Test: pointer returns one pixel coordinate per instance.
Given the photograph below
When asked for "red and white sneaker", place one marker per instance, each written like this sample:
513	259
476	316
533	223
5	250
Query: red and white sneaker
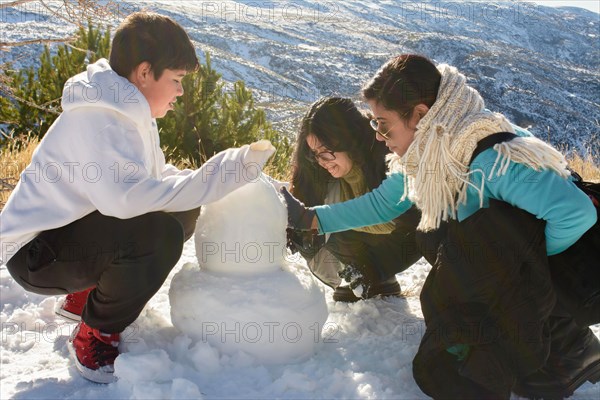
94	353
71	306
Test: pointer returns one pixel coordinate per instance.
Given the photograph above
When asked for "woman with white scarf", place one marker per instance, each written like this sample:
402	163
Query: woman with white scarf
491	220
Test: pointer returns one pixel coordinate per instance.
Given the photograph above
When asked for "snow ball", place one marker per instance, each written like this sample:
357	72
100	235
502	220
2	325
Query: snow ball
177	389
184	389
275	317
244	231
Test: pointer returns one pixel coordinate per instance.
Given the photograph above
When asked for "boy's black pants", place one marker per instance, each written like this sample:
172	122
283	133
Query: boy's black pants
126	259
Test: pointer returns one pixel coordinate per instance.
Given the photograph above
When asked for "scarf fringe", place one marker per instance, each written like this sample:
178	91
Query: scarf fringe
529	151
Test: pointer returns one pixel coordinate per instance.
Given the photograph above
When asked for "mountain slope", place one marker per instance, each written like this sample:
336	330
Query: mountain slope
538	65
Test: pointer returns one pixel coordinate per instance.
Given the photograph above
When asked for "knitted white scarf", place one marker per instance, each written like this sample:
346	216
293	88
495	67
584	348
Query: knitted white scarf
435	165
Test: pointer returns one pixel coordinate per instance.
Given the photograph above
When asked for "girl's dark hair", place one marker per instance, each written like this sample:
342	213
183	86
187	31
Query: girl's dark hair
340	127
404	82
154	38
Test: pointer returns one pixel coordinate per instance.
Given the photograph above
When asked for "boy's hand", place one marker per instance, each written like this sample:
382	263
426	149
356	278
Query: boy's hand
300	217
259	153
262	145
256	156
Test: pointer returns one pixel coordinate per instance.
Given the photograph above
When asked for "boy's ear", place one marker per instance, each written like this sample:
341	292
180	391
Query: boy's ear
141	74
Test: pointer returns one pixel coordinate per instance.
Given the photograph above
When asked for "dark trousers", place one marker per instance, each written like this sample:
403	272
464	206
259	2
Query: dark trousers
489	288
382	256
126	259
378	256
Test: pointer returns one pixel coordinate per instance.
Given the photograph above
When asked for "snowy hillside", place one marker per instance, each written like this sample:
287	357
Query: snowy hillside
539	65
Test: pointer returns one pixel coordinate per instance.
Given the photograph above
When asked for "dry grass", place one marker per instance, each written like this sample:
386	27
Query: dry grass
15	156
585	167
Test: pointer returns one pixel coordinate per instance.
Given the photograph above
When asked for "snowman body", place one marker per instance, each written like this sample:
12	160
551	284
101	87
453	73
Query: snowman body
246	294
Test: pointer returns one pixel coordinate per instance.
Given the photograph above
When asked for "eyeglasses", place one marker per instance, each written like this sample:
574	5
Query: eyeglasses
324	156
375	125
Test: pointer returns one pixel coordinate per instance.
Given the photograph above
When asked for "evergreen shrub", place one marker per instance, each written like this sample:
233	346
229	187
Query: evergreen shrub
210	116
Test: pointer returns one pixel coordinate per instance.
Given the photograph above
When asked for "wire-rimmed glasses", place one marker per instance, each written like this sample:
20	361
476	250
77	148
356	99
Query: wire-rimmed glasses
375	125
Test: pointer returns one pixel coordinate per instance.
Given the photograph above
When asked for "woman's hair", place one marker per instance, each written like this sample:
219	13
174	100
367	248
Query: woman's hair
404	82
340	127
157	39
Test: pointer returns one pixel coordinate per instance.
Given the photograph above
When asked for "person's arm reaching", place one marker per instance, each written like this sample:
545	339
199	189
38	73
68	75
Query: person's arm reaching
125	188
380	205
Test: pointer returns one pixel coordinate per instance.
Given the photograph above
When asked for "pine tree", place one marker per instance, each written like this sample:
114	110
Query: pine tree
35	94
209	118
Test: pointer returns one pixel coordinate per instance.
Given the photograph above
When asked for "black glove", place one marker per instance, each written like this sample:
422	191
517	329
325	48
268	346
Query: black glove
307	243
300	217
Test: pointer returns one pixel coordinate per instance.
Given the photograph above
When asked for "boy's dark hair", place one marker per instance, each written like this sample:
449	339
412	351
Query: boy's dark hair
154	38
404	82
340	126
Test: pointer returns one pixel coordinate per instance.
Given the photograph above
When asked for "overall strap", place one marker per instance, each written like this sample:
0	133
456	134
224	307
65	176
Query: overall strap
490	141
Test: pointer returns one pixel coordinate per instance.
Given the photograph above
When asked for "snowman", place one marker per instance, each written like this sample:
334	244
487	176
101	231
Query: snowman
247	293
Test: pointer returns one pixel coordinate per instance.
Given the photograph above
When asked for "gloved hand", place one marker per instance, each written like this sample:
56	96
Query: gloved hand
258	154
300	217
307	243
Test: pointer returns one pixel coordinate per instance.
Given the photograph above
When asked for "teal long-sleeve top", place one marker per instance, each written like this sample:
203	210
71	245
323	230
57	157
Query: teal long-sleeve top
568	212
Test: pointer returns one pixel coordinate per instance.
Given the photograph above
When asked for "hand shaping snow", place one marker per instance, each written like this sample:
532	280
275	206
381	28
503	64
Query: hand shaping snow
300	217
256	156
259	153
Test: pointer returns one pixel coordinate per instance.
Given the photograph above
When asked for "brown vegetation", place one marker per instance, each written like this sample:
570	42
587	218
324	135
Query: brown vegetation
15	156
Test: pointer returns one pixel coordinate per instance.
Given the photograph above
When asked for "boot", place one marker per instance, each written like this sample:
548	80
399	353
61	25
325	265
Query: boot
574	359
389	287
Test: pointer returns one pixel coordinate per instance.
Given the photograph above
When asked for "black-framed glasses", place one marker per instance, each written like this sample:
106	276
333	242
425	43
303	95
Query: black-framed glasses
375	125
324	156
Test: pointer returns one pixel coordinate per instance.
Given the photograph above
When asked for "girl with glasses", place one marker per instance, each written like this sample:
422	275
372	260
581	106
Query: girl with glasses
509	234
336	159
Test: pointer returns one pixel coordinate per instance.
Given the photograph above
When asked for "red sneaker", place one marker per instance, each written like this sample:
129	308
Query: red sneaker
71	306
94	353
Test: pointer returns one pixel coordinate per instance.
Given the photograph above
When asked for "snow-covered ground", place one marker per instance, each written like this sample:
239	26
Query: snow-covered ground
365	352
365	349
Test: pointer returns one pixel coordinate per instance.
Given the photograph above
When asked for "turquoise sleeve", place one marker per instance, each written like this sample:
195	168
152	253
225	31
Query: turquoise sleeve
568	212
380	205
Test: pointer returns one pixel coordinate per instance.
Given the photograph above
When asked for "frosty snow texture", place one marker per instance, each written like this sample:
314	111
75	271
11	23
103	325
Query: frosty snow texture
246	296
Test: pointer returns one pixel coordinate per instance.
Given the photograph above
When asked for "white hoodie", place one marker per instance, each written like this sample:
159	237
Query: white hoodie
103	153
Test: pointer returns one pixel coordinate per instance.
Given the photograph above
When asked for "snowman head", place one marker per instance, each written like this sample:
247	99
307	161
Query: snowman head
244	232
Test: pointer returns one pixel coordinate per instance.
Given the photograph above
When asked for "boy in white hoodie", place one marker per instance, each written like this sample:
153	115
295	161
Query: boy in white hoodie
98	210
